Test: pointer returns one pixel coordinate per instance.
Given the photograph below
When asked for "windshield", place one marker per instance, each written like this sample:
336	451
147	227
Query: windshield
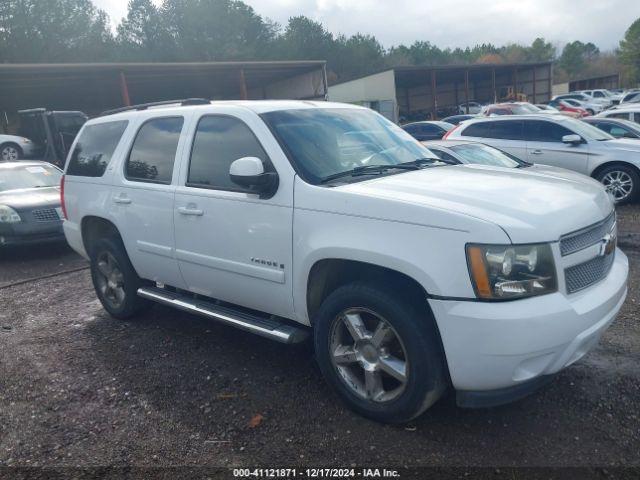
586	131
322	142
528	108
29	176
484	155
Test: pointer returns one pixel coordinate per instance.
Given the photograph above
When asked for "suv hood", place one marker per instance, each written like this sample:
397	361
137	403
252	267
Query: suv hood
529	204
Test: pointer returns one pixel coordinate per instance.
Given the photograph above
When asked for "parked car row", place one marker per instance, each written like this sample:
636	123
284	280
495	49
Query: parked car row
563	142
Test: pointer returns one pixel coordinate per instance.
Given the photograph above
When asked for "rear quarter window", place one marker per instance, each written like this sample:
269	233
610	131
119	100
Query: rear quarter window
94	149
480	129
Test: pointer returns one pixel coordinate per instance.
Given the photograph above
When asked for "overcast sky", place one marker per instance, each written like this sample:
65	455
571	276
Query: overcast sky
454	23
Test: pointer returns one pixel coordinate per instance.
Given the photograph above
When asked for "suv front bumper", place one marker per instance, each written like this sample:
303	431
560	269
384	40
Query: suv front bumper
506	347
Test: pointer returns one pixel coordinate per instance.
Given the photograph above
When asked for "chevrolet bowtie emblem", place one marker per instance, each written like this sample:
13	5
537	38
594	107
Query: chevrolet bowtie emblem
607	244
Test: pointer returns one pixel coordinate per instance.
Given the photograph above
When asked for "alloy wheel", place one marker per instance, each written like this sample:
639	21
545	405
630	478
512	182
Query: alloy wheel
10	154
110	280
618	183
368	355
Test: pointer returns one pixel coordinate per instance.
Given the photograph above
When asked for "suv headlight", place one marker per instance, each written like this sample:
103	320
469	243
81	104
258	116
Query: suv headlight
502	272
8	215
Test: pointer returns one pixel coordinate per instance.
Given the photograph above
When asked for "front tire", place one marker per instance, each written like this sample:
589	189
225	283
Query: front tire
623	182
115	281
10	152
381	353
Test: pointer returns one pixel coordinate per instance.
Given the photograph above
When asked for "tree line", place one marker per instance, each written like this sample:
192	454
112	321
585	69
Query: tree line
52	31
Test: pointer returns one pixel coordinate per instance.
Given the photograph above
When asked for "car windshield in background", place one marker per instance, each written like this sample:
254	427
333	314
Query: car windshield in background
586	131
326	142
484	155
444	125
524	109
29	176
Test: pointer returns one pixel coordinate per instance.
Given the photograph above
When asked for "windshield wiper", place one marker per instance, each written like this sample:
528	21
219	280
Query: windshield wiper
369	170
424	161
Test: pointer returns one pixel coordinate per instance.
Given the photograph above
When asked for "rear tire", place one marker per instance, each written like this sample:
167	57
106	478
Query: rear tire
392	368
10	152
115	281
622	181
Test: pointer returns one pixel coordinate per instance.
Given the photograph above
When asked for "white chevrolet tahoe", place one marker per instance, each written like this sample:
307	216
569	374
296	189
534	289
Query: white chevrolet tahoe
295	218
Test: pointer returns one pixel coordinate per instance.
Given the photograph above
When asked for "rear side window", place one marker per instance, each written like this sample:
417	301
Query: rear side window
219	141
539	131
506	130
154	151
480	129
94	149
625	116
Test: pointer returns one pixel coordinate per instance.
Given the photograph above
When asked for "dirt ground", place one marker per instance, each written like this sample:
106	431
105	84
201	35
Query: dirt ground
80	389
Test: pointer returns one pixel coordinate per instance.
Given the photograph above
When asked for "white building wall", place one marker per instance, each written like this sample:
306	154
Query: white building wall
377	91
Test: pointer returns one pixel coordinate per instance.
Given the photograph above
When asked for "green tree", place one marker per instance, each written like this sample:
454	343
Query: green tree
357	55
304	38
54	31
216	30
576	56
143	35
541	51
629	52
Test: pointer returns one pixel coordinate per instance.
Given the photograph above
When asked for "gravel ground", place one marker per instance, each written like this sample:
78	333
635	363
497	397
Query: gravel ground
78	388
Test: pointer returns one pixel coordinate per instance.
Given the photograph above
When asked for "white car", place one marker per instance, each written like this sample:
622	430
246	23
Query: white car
626	111
562	142
599	95
297	218
588	103
13	148
629	97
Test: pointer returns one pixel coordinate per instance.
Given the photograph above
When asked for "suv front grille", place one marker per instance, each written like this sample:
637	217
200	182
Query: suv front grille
585	274
46	215
576	241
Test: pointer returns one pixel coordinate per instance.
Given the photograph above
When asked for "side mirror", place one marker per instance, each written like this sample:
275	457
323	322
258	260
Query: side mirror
249	172
572	139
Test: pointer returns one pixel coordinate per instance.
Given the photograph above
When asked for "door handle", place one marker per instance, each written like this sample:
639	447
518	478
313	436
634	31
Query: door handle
190	211
536	152
122	200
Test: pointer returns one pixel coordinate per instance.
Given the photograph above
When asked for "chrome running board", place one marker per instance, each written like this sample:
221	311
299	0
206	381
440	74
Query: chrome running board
266	327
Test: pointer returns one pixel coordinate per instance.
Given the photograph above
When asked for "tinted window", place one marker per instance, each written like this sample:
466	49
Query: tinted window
70	123
94	149
427	128
617	131
598	94
480	129
154	151
506	130
220	141
444	155
625	116
539	131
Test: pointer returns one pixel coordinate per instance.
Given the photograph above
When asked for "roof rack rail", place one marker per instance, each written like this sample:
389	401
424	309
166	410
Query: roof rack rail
143	106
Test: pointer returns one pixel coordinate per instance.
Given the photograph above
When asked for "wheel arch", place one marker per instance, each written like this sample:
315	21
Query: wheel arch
94	227
328	274
612	163
13	144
